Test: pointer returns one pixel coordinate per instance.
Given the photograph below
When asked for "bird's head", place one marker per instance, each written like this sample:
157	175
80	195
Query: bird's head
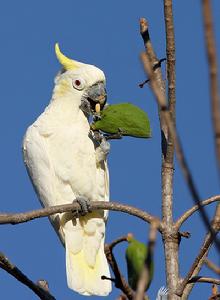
83	83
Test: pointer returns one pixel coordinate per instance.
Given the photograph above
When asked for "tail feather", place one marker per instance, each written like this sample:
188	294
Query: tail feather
86	279
85	257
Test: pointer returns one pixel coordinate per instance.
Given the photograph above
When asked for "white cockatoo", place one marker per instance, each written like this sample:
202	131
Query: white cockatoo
66	162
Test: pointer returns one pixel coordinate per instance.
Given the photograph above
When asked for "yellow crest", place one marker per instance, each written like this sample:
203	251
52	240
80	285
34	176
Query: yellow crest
67	63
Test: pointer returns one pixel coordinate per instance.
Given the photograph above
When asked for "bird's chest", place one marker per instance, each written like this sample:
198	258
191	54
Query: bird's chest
73	157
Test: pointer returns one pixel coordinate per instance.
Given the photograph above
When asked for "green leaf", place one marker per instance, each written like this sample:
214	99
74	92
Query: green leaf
136	256
126	118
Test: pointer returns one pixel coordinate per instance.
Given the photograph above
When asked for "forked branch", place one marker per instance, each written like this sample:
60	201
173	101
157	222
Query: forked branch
194	209
14	271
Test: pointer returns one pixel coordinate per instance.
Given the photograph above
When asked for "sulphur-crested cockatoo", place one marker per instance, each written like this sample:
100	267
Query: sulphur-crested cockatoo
66	162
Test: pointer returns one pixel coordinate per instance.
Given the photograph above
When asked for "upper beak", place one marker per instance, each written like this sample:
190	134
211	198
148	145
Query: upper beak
97	96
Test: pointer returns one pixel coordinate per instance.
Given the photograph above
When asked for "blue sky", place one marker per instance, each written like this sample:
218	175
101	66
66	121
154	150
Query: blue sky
106	34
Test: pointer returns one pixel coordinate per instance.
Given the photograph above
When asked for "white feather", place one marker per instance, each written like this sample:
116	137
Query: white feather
62	162
162	293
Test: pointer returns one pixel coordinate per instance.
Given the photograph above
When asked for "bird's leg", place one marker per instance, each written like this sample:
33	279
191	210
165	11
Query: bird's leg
96	135
105	146
102	150
84	203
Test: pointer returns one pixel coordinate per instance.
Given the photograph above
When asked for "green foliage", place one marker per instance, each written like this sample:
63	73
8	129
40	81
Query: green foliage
125	118
136	257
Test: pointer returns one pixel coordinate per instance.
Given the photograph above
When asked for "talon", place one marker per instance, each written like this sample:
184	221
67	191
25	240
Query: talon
97	136
84	204
96	116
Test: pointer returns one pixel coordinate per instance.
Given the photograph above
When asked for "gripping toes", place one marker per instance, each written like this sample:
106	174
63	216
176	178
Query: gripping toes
84	204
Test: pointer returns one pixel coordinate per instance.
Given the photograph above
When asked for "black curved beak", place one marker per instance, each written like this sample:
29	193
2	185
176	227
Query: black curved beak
97	96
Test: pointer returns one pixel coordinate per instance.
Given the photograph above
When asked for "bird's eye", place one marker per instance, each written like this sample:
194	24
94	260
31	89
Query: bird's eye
78	83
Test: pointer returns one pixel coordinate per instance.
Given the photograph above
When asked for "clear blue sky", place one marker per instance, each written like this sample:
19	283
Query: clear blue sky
104	33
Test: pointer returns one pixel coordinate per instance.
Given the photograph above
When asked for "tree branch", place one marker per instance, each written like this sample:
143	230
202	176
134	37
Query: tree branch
170	235
213	72
171	251
74	207
195	208
215	294
185	288
212	266
195	268
179	151
146	273
117	241
19	275
204	280
119	280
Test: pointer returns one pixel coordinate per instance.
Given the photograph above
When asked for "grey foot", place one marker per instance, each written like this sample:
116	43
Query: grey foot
84	205
105	146
96	135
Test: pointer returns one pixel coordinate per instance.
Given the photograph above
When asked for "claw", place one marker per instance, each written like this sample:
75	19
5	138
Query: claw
97	136
84	205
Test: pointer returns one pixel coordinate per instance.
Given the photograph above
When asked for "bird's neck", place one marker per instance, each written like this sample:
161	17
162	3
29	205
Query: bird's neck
66	110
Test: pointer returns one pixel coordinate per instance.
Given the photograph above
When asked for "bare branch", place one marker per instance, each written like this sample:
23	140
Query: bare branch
215	295
179	151
171	61
167	152
119	280
117	241
42	293
155	63
195	268
74	207
195	208
169	235
145	275
212	266
184	287
213	72
204	280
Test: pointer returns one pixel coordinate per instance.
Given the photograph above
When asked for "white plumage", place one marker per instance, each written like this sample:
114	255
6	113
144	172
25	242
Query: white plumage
64	161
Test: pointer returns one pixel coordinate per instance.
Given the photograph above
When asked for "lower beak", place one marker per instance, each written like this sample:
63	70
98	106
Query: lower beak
97	108
97	96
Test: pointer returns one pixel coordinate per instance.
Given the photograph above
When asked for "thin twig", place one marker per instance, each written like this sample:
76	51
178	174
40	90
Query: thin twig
144	31
179	151
215	295
195	208
48	211
204	280
19	275
212	266
117	241
119	279
213	72
185	288
146	273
